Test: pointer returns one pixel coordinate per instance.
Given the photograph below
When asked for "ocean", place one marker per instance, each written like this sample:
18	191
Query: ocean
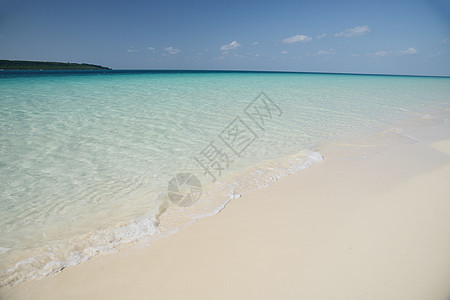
93	160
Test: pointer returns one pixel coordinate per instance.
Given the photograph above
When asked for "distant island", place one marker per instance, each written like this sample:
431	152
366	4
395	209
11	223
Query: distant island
46	65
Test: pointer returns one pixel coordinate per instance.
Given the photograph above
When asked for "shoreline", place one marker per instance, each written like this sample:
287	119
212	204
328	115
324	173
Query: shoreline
295	237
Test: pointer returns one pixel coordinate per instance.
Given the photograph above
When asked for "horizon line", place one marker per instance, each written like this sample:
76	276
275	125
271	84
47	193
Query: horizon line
226	71
277	71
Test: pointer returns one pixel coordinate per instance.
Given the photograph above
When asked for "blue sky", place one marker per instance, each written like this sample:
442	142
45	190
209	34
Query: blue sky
389	37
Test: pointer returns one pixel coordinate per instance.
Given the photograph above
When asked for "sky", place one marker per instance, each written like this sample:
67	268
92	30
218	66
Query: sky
372	37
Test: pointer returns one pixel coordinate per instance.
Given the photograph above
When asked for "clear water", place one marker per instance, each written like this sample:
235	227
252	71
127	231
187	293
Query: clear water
86	158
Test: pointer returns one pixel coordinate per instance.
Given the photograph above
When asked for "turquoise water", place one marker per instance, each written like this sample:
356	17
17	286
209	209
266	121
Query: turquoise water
86	158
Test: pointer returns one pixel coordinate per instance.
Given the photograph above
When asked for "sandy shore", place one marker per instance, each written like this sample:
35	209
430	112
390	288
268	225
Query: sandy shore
371	222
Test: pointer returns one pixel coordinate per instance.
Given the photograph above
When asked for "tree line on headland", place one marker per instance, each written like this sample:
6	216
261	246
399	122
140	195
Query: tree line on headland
46	65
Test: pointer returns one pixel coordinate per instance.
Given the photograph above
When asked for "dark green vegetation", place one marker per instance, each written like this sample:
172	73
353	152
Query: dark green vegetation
44	65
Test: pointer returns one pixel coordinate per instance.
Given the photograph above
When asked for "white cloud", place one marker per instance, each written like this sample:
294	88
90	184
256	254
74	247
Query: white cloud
255	43
132	50
446	40
355	31
325	52
434	55
382	53
231	46
172	50
297	38
322	52
408	51
284	52
321	36
151	48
